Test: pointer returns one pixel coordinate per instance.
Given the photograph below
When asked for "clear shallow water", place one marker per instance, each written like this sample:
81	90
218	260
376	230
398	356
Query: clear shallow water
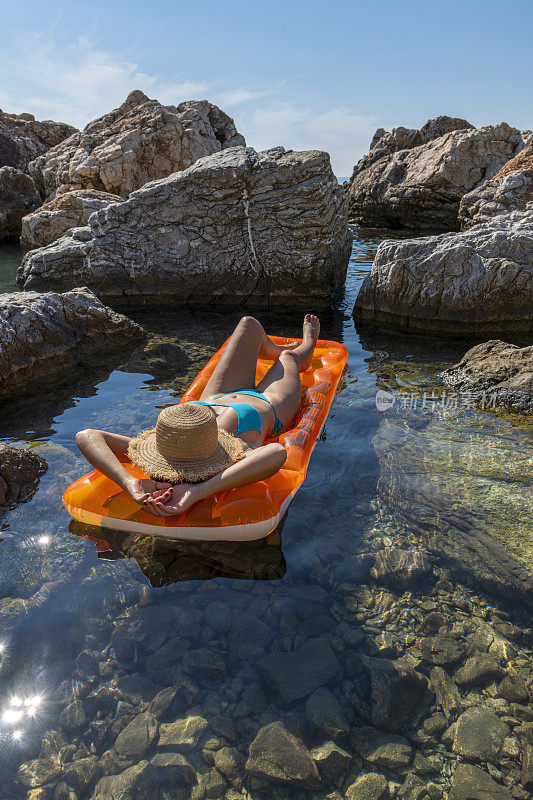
91	631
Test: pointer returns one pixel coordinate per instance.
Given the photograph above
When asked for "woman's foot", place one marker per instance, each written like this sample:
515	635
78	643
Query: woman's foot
311	328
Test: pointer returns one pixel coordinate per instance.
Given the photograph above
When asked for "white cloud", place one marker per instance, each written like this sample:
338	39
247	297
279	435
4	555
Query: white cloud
340	131
235	97
78	81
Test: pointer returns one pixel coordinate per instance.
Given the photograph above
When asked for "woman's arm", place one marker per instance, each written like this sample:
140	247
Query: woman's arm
255	466
101	449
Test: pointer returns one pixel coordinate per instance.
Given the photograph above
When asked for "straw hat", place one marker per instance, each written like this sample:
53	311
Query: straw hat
186	445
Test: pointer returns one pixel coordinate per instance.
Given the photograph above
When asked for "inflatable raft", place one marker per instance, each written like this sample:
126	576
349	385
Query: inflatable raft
248	513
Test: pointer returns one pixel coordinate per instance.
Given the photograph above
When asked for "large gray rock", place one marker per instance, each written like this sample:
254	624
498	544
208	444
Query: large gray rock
279	756
18	197
478	281
495	373
420	188
140	141
44	335
23	138
239	226
20	471
511	189
70	210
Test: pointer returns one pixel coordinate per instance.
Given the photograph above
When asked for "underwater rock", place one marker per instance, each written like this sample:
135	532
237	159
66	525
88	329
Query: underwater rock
472	783
237	227
371	786
73	716
183	734
479	735
381	749
140	141
20	471
81	773
23	138
133	741
145	779
400	568
478	281
393	688
18	197
205	664
441	649
448	697
479	669
323	711
38	772
277	755
513	687
57	216
43	336
495	372
284	674
331	760
511	189
420	187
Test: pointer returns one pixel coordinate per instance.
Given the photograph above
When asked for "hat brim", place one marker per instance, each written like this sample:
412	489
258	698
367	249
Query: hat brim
143	452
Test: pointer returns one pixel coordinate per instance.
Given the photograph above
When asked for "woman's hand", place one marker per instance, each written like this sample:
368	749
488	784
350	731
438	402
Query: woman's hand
146	491
175	500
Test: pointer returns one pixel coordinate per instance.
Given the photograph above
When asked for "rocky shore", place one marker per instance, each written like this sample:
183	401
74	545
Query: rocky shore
415	179
43	336
448	174
236	228
476	282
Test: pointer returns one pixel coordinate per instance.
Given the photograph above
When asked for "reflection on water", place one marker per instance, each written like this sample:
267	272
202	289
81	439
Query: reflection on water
164	562
405	542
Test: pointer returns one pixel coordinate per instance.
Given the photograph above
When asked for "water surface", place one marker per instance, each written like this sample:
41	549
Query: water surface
92	629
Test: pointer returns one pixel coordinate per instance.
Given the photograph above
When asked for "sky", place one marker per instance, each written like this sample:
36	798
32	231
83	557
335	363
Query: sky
301	73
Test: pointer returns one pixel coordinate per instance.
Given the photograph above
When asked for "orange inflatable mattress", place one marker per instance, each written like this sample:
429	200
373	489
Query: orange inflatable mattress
247	513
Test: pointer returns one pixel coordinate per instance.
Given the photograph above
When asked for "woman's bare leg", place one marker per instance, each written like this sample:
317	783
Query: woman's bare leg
237	365
282	384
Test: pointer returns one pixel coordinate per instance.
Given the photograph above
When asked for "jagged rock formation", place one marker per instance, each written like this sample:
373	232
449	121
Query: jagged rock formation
236	227
495	369
18	196
417	185
20	471
66	211
44	335
23	138
384	143
511	189
479	281
138	142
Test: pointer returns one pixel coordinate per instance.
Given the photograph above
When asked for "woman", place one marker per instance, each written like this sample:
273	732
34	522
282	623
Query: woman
205	447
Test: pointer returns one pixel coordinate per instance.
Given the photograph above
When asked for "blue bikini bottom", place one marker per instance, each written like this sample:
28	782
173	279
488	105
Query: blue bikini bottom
248	416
